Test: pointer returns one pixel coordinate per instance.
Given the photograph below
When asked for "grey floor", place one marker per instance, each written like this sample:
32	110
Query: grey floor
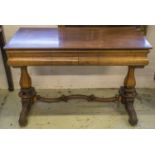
78	113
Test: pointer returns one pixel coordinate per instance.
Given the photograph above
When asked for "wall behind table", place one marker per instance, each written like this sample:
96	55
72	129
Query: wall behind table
81	77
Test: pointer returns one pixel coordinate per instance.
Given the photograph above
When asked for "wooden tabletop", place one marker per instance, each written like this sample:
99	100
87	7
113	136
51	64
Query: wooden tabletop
78	38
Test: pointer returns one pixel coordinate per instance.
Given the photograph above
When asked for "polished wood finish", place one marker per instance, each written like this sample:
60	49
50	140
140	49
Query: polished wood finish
142	28
75	46
78	47
77	38
130	80
25	79
78	57
4	57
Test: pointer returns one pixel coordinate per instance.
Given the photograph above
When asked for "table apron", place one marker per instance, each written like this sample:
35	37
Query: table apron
81	60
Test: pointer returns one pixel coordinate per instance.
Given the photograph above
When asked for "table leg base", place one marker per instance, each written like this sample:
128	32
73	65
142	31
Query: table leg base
127	98
26	106
132	114
27	97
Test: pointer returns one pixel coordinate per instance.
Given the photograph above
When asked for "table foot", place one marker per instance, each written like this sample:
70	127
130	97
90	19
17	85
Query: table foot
27	96
127	98
132	114
24	113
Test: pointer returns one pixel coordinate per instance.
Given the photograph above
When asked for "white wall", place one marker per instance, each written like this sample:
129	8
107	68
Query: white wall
82	77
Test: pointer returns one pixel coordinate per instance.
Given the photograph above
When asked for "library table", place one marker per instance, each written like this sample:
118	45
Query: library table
78	47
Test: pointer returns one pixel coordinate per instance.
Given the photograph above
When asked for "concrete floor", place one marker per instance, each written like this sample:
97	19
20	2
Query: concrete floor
78	113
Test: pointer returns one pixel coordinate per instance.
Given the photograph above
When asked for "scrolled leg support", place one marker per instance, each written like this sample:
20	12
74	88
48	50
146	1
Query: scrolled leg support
127	98
27	98
27	94
128	94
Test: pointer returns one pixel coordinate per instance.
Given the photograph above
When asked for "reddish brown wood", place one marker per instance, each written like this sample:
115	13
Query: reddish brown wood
78	38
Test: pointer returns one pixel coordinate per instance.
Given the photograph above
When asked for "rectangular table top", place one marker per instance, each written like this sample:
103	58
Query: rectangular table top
78	38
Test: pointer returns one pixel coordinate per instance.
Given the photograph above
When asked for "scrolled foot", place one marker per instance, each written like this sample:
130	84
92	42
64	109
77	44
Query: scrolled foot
127	99
27	96
22	120
132	114
26	106
133	122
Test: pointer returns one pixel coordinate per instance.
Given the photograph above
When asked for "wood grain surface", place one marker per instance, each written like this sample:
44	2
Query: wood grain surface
78	38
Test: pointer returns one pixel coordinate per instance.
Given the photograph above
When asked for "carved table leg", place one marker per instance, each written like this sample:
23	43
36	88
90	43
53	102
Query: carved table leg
128	94
27	94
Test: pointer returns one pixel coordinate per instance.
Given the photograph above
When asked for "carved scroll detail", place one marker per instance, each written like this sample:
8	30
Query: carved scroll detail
89	98
128	94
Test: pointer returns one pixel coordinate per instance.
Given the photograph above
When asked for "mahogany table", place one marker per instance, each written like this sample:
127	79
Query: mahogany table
78	46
